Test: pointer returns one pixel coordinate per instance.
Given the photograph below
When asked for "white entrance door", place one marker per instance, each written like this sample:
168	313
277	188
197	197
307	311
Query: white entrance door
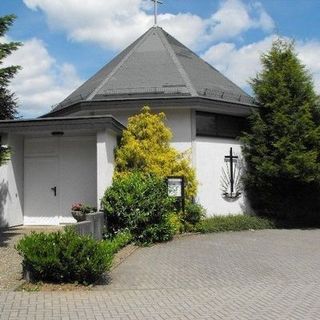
41	191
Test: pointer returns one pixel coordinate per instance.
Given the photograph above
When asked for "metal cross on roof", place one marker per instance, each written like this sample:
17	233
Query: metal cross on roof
156	2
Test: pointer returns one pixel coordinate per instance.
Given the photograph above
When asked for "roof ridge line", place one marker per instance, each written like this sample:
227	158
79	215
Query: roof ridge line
179	66
125	58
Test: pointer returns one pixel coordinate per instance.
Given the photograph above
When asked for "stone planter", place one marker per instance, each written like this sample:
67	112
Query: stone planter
97	224
92	225
79	215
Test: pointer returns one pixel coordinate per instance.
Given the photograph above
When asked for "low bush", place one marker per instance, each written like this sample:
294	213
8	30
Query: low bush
64	257
119	241
138	203
158	232
176	223
194	212
233	223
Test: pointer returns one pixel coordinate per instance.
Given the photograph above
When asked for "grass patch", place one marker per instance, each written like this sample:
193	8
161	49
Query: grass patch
233	223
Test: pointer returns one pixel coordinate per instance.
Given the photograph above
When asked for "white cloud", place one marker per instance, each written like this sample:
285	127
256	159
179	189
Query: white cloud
309	53
241	64
234	18
238	64
42	82
264	20
187	28
114	24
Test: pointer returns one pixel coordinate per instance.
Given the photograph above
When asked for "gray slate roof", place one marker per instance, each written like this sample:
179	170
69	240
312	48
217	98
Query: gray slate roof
154	66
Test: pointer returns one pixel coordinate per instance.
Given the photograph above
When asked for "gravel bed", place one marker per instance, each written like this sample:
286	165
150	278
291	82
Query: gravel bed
10	261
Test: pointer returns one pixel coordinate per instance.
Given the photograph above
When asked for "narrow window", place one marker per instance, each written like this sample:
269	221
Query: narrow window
218	125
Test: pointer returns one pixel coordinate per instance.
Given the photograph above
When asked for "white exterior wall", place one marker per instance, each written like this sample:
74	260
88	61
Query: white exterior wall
106	143
207	156
11	184
3	195
210	153
179	121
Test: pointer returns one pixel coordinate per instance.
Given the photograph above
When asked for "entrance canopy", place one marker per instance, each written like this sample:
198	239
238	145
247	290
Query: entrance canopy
66	125
54	163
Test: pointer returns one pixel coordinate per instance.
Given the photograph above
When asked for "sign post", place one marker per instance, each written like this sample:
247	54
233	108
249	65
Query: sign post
176	187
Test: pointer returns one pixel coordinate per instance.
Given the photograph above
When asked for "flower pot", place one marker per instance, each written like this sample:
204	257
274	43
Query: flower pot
79	215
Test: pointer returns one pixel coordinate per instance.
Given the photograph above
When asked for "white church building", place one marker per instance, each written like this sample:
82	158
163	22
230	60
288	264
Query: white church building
67	155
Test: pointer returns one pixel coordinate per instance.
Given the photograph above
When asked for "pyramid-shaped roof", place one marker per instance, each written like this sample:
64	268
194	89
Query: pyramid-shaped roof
156	65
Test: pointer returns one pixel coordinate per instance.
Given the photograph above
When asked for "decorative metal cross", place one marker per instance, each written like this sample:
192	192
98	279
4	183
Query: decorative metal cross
156	2
231	158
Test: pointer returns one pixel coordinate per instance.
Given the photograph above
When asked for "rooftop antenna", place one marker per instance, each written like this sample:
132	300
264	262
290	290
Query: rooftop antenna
156	2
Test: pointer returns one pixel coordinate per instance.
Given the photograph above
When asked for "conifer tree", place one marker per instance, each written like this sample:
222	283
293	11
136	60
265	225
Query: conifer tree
8	103
145	147
282	149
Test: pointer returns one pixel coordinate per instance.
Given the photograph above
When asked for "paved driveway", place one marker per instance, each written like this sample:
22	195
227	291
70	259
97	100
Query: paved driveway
272	274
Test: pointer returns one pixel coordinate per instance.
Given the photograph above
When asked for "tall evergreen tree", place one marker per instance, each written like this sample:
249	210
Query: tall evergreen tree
8	103
282	149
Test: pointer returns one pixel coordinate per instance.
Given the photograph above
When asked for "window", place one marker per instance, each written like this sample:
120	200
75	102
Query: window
218	125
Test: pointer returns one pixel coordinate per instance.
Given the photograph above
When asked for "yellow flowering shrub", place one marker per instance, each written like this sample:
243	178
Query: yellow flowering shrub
145	147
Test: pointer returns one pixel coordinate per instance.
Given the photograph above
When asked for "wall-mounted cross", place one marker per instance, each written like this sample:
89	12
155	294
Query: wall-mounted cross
231	159
156	2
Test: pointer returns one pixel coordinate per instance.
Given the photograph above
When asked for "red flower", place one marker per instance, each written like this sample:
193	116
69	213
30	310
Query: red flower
77	207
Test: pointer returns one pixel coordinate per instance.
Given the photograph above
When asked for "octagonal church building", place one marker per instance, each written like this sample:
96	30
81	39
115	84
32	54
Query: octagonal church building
67	155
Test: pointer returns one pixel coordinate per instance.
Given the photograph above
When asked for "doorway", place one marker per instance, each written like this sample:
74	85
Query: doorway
41	191
58	173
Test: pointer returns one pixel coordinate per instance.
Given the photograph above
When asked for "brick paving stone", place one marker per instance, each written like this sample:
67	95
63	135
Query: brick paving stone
271	274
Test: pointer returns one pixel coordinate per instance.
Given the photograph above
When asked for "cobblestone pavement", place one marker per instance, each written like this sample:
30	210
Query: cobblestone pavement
271	274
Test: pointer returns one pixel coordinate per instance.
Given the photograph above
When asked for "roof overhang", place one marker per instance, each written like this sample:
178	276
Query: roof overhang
69	124
197	103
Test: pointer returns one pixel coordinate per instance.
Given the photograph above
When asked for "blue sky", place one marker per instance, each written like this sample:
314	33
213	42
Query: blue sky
67	41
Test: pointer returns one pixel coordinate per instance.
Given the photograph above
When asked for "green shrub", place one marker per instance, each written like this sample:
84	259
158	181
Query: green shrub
159	232
233	223
64	257
174	220
138	203
194	212
119	241
145	147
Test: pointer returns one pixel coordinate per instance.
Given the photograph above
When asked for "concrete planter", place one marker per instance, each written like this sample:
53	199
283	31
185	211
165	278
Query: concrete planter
79	216
92	226
97	224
